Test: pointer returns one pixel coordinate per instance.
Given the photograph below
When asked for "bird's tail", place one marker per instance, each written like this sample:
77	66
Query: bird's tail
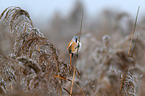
70	60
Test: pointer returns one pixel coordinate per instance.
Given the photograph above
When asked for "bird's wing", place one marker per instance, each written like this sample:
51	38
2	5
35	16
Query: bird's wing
73	47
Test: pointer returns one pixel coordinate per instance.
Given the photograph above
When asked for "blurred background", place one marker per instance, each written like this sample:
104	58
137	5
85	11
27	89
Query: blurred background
106	32
60	20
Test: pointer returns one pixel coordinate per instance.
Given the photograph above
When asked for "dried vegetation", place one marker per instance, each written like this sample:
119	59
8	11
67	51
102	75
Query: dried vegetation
34	68
34	62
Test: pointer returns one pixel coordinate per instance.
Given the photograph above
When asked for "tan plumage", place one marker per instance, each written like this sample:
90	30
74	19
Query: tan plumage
73	46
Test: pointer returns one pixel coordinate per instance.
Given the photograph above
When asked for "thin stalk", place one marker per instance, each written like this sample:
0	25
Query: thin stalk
132	35
76	55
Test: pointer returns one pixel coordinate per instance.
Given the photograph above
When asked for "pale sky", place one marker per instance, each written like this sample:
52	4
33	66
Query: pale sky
46	8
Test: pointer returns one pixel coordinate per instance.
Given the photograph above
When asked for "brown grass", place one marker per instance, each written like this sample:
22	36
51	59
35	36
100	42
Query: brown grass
34	59
32	66
132	35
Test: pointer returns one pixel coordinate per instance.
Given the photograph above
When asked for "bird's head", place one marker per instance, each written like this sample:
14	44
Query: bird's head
75	39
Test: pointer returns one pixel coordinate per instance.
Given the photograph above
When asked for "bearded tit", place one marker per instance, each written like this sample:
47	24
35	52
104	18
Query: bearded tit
74	47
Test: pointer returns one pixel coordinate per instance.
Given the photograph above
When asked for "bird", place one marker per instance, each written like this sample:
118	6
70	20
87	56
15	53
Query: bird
74	47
